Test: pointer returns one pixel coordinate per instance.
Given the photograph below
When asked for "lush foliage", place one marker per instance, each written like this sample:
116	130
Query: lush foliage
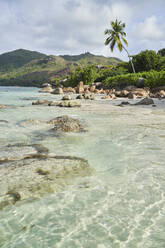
146	61
151	79
161	52
87	74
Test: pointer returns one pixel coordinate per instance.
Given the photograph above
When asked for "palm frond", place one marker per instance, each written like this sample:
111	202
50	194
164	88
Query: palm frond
108	40
112	45
119	44
125	41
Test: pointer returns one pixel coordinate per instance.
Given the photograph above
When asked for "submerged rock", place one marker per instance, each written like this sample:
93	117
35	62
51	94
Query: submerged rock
30	122
66	124
21	151
3	121
34	177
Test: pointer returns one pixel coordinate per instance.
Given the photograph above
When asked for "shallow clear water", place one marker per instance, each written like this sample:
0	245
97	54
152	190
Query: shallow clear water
121	206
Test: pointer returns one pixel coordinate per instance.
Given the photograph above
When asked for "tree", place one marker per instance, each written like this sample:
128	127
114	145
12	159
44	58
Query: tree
116	36
146	60
161	52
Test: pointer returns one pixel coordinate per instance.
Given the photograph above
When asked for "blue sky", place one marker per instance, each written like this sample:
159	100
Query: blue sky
76	26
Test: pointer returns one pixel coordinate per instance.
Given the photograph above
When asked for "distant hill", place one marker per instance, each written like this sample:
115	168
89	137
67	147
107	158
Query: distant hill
29	68
15	59
88	58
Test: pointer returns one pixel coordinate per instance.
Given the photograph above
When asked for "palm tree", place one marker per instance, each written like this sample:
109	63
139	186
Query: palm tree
116	36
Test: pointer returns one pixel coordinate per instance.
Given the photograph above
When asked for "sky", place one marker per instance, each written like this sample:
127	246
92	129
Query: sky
76	26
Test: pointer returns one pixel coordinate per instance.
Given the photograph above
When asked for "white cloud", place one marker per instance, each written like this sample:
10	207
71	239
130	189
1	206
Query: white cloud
150	29
75	26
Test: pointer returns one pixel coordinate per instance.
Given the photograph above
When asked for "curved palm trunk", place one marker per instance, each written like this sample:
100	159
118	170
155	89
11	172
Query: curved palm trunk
133	68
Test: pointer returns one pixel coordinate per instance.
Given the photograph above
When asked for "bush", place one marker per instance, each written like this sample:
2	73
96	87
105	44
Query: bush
145	61
151	79
87	74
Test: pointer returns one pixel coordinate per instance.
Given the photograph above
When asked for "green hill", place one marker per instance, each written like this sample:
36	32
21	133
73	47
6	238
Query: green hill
27	68
15	59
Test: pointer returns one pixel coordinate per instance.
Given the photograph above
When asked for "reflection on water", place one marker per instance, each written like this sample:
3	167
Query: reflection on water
121	206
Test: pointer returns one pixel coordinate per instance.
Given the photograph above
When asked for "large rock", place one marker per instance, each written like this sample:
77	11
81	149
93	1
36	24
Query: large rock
92	88
35	177
131	96
47	89
67	98
145	101
69	90
124	93
2	106
66	124
58	91
80	88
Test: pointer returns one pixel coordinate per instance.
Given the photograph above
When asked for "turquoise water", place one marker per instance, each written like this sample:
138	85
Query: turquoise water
121	206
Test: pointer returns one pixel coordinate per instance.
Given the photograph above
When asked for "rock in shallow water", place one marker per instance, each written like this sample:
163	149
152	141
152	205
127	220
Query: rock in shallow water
66	124
145	101
69	104
34	177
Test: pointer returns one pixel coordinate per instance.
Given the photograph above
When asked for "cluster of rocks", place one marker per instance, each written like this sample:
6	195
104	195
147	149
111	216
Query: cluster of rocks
66	104
86	96
80	89
131	92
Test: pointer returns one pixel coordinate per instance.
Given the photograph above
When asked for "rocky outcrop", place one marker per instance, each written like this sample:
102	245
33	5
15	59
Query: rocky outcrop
66	124
145	101
35	177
